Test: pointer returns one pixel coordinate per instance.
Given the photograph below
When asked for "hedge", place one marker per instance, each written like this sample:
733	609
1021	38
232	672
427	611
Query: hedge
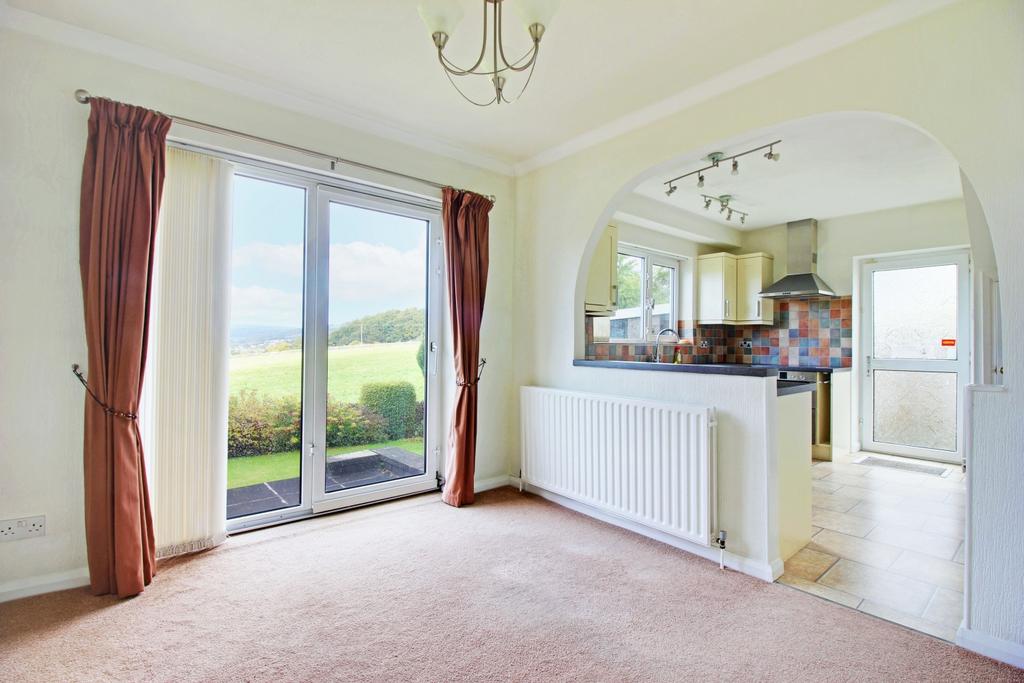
395	402
261	424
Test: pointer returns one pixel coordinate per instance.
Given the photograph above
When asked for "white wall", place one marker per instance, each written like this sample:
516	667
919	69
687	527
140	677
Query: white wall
841	239
41	329
947	73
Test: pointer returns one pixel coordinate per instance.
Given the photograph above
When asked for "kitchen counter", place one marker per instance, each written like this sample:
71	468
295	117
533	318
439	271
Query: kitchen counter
740	369
699	368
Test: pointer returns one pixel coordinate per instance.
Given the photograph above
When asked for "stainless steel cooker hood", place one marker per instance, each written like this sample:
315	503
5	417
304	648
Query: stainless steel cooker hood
801	264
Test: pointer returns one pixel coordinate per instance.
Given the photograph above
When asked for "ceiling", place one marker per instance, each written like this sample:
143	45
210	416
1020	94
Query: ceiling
600	59
830	166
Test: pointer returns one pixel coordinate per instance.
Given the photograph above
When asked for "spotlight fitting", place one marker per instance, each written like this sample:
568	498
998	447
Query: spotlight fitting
735	167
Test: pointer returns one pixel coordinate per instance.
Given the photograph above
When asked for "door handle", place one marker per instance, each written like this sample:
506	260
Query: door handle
758	308
867	365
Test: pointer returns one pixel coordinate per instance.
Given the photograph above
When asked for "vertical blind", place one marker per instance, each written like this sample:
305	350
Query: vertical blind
184	408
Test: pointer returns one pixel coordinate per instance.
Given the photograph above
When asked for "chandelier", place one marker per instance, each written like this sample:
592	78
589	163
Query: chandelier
443	16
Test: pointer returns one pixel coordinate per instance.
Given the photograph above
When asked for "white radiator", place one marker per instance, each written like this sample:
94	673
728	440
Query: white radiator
649	462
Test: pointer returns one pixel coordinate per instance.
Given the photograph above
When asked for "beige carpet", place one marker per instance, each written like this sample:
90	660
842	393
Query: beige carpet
512	588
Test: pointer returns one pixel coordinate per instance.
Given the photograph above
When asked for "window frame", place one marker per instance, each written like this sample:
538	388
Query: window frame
650	258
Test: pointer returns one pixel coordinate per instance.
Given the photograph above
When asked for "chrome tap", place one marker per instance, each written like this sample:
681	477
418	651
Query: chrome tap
657	343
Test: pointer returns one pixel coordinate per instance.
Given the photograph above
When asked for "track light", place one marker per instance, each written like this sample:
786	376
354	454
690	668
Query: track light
716	158
724	206
670	190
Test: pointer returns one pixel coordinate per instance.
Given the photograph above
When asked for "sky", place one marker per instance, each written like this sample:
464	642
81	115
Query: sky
377	260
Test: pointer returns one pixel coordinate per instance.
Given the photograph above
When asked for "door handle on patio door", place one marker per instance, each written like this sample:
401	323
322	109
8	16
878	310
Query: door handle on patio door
867	365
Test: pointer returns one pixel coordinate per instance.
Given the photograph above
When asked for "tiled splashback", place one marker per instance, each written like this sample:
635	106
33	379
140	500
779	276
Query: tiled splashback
806	332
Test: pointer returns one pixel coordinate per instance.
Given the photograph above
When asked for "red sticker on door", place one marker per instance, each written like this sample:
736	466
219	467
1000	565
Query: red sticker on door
949	342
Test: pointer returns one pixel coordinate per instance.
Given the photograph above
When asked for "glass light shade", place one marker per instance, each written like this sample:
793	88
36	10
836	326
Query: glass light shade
535	11
441	15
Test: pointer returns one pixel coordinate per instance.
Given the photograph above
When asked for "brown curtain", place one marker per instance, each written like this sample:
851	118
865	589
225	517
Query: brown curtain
122	180
465	251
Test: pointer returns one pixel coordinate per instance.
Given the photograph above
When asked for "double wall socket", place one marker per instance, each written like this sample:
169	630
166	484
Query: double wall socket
24	527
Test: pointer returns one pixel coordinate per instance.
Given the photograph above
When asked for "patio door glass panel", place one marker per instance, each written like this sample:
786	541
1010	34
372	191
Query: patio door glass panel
915	332
265	381
378	359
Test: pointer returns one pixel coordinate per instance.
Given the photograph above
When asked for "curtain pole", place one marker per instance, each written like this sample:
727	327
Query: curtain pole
84	96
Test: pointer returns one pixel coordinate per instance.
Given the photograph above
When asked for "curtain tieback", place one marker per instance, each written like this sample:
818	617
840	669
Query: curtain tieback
106	409
471	383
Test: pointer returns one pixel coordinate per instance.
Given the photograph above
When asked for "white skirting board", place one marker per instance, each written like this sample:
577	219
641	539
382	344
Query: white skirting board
996	648
759	570
48	583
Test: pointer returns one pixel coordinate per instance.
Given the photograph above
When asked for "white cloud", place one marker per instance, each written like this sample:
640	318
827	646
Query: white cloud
264	306
359	271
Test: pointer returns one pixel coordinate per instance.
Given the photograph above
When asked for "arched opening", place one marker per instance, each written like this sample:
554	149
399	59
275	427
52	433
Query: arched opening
893	212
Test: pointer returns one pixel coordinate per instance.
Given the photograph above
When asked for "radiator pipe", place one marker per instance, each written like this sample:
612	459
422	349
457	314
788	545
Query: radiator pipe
720	542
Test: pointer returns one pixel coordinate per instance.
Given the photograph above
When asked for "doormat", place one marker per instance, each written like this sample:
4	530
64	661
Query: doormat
936	470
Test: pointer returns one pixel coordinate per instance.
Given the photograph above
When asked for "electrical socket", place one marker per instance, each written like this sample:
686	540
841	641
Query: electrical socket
23	527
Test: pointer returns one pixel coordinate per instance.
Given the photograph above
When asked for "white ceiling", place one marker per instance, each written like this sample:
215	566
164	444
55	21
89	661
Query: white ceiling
830	166
601	60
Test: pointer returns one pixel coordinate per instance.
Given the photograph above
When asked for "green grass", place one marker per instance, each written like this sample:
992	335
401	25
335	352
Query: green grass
279	373
256	469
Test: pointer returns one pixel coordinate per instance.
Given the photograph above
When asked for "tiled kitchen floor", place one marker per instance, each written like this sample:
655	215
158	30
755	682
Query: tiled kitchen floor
887	542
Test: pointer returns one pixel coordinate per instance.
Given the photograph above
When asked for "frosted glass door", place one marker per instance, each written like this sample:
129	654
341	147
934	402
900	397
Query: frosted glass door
914	337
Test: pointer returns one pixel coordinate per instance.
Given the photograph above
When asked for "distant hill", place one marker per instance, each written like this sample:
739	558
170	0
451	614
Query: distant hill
257	335
389	326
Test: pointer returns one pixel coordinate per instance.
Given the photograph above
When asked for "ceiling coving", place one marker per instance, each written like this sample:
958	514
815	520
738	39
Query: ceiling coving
443	16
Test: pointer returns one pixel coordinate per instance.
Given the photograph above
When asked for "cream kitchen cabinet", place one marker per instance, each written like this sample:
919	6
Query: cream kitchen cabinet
729	287
716	289
602	294
754	272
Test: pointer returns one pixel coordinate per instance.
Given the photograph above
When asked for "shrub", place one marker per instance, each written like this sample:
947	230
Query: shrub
258	425
350	424
395	402
421	355
418	417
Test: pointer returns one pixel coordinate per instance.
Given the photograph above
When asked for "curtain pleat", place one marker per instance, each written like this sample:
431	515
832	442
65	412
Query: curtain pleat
184	410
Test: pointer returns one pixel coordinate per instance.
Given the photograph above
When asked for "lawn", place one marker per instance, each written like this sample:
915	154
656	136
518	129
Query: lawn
256	469
279	373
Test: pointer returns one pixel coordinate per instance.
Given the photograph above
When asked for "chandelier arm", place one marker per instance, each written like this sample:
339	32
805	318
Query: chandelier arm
523	89
456	70
517	64
466	97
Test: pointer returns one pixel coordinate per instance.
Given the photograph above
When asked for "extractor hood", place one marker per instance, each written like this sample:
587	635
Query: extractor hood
801	264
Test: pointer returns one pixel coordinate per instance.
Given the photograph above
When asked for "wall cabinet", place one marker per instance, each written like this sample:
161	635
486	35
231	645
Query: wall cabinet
602	295
754	272
729	287
716	289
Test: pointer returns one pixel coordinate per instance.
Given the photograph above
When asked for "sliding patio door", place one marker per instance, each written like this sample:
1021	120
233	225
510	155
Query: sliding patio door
333	397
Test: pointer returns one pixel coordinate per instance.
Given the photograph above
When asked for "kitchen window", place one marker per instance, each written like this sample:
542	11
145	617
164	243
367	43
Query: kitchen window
647	284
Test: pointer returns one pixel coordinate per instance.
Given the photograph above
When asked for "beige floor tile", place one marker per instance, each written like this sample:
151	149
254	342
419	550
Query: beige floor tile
815	530
842	522
915	491
957	498
835	503
876	495
890	515
854	480
943	573
903	619
959	557
824	486
942	547
934	508
946	608
860	550
898	592
809	564
943	526
843	467
817	473
820	590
